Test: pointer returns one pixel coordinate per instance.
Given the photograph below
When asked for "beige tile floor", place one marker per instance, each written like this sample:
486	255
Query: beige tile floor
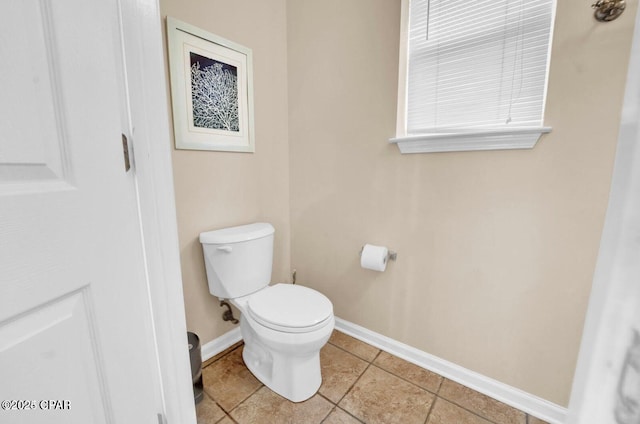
361	384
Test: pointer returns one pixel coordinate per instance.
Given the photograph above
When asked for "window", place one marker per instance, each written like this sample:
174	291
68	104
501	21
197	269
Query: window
474	75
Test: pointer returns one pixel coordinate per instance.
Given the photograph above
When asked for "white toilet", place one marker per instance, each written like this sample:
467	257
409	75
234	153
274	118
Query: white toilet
284	326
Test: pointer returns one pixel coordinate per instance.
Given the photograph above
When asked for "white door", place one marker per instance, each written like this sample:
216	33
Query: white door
606	387
76	335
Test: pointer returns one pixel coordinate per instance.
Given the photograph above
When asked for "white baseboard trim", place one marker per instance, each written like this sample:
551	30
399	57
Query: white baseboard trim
519	399
219	344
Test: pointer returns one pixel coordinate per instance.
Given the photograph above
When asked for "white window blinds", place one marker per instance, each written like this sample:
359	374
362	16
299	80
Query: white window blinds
476	66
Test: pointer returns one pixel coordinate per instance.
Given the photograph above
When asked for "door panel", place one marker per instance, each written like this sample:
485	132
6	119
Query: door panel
54	342
31	124
75	316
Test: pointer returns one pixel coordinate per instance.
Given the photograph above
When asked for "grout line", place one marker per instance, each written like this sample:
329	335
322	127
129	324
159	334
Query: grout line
328	413
245	399
350	414
353	353
356	356
472	412
354	383
369	363
219	406
224	354
475	412
215	358
441	397
326	398
372	362
376	357
435	393
227	416
512	396
210	398
345	350
435	398
336	406
401	378
332	409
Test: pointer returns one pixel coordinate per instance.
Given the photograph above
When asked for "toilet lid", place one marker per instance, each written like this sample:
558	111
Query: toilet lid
290	308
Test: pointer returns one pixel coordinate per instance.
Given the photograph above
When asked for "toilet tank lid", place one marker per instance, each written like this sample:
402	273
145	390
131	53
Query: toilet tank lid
237	234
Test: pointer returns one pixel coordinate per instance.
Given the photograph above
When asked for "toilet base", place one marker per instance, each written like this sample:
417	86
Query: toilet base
287	363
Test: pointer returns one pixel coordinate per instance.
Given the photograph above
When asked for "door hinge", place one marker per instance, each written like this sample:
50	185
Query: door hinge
125	150
161	419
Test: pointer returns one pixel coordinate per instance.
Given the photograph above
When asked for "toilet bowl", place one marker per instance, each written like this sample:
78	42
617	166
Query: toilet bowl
283	326
283	339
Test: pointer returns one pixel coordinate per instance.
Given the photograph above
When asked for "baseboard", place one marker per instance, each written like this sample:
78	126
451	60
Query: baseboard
219	344
533	405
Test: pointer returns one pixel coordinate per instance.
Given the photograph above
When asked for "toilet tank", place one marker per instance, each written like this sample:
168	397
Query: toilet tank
238	259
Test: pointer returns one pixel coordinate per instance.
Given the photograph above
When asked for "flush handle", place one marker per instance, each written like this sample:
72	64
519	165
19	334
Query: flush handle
226	249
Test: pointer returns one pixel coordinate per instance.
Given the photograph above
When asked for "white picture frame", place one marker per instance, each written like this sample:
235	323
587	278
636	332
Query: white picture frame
211	90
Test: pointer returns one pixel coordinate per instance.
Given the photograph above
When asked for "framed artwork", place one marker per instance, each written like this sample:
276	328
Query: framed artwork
211	90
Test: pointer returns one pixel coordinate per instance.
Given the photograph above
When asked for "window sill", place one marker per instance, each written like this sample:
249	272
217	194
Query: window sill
499	139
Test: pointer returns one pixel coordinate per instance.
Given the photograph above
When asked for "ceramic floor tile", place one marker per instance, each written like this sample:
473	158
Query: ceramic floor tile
221	354
389	391
480	404
265	406
338	416
444	412
380	397
208	412
340	370
415	374
355	346
228	381
534	420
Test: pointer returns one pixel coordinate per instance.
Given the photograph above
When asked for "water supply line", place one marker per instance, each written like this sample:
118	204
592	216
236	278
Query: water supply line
228	314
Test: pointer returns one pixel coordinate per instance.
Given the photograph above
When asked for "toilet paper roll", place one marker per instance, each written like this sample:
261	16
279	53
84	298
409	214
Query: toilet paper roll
374	257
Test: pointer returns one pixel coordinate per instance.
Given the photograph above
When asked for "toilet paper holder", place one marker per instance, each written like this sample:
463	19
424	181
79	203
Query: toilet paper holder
391	255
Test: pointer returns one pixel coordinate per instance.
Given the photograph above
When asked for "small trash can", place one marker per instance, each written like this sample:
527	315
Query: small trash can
195	356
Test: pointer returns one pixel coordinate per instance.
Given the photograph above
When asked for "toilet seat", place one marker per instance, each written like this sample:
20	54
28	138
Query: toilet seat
290	308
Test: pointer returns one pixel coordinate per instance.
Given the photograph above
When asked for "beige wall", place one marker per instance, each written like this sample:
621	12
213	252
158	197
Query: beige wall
496	250
219	189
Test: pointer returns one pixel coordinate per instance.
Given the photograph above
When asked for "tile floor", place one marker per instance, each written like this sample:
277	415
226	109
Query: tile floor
361	384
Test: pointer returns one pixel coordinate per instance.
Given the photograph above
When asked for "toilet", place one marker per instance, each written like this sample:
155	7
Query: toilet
284	326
